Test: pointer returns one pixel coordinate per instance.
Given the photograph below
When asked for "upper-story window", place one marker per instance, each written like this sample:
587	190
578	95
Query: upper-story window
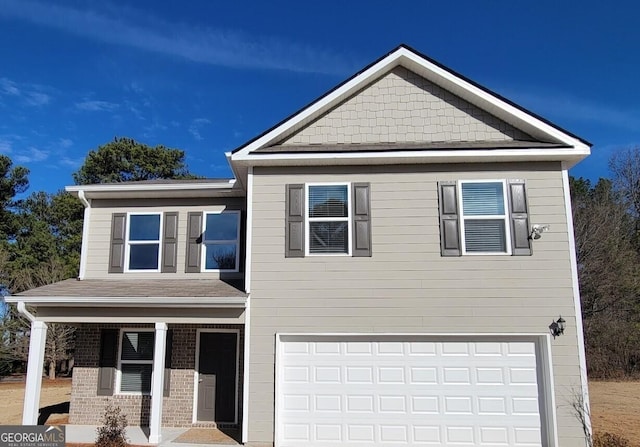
487	217
484	218
136	361
220	239
328	219
143	241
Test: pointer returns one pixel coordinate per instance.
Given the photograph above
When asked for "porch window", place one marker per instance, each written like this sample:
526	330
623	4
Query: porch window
136	361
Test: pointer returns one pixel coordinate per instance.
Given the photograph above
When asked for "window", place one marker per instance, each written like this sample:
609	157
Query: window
220	240
143	242
483	217
328	219
136	361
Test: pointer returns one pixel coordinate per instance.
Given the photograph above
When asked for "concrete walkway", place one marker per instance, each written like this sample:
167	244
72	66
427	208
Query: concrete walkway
86	434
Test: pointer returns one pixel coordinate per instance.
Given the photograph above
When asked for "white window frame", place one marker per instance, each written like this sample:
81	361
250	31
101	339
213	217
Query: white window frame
505	218
236	241
128	243
307	219
132	362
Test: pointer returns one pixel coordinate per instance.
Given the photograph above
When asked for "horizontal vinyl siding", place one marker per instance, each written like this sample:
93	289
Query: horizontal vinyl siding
100	233
406	286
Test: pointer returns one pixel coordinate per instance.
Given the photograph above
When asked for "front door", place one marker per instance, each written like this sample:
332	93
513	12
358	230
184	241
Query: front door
217	377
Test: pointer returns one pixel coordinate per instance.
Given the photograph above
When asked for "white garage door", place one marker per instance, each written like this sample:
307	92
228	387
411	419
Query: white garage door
360	392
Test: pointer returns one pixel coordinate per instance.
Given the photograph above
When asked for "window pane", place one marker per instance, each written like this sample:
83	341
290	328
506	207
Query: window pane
136	378
137	346
221	227
480	199
220	256
143	257
328	201
328	237
485	235
144	227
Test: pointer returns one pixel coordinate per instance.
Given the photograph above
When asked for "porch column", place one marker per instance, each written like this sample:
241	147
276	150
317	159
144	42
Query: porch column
35	364
157	385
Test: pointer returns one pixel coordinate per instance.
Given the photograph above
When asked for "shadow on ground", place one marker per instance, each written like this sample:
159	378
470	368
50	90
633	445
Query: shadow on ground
45	412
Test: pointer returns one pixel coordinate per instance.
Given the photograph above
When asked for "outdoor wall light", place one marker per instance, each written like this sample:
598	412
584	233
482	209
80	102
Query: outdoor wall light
537	230
557	327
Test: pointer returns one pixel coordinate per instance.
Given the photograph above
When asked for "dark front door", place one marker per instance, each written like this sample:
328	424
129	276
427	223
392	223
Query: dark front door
217	375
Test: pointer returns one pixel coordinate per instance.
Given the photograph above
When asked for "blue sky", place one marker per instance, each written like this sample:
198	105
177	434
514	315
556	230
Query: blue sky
206	76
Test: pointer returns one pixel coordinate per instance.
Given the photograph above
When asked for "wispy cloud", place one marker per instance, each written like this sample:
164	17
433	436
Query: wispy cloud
31	155
96	106
567	107
71	162
37	98
65	143
5	146
196	126
8	87
29	94
222	47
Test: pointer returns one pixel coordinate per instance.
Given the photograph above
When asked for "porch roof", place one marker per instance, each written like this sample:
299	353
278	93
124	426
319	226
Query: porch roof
149	292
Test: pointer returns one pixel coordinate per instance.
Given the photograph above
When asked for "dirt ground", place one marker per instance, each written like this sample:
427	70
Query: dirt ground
615	406
54	393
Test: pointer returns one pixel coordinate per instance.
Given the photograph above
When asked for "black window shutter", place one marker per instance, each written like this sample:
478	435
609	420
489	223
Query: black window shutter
294	225
108	361
170	243
449	223
361	220
519	218
116	252
166	391
194	242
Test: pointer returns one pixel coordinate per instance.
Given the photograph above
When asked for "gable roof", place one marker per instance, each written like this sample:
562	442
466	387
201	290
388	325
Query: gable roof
551	141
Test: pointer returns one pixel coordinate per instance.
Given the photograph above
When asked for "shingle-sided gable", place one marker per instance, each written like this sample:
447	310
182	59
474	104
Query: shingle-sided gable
403	107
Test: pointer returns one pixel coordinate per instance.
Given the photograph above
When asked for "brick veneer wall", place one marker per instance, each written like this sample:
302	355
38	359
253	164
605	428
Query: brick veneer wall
87	408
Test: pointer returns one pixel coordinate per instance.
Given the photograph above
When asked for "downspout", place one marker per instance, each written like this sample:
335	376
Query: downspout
22	308
85	234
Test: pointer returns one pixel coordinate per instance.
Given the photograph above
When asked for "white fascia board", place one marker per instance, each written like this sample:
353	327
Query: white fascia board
145	187
118	301
572	156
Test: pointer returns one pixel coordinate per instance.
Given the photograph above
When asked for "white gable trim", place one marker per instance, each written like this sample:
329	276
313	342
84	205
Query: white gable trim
437	74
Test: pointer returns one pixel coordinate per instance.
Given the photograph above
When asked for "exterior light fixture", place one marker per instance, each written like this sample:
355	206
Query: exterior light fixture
537	230
557	327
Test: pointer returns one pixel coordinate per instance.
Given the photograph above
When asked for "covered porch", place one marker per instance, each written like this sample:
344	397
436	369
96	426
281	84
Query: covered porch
138	347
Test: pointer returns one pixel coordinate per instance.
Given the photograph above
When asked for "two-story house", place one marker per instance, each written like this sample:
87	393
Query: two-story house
382	270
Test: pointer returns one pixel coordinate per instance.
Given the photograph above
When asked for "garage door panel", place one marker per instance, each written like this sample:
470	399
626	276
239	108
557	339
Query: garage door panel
408	393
